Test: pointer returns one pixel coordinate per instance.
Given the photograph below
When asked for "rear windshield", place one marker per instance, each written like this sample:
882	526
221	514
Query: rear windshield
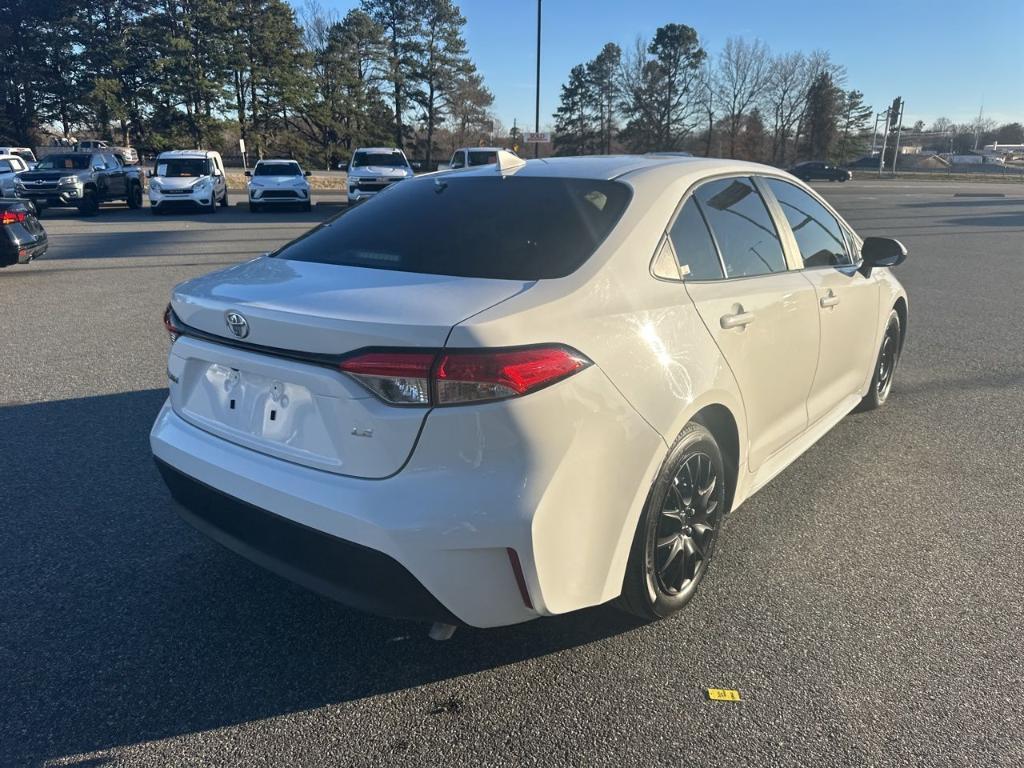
524	228
387	159
183	167
64	162
278	169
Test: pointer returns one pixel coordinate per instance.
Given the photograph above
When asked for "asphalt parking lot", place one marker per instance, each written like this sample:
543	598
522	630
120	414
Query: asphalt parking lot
867	603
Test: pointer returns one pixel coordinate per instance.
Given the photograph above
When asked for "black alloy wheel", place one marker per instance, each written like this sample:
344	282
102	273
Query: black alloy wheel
679	529
885	365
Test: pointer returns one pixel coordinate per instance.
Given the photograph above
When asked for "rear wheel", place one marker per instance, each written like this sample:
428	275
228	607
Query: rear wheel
885	365
676	537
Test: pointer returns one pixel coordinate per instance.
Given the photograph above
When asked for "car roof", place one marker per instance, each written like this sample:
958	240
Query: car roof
616	166
379	149
276	160
187	153
480	149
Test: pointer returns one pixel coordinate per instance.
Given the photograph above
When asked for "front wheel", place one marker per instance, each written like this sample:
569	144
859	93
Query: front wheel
675	539
89	204
885	365
224	200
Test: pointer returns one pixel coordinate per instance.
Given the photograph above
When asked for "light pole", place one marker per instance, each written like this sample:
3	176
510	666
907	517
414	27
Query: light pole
536	112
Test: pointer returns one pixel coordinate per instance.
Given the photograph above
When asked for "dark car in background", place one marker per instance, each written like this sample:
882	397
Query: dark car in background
22	237
816	170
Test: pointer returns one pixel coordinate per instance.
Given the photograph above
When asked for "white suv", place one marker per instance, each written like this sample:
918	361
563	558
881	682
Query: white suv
278	182
372	169
188	179
522	389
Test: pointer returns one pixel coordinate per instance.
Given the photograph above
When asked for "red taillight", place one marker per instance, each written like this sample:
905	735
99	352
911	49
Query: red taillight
170	323
12	217
464	377
461	376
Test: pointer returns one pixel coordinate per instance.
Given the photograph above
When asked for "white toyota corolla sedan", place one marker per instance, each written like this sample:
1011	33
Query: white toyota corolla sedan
522	389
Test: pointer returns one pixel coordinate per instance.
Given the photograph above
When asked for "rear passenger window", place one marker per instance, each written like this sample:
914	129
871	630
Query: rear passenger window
817	232
742	227
695	250
5	166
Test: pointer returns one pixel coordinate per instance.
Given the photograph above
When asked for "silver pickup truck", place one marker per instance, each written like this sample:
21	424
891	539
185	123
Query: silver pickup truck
82	180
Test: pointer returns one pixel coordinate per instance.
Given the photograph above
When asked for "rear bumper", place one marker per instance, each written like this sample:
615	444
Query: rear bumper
338	569
559	476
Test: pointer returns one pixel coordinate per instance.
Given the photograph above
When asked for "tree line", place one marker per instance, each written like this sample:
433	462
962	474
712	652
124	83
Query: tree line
669	94
163	74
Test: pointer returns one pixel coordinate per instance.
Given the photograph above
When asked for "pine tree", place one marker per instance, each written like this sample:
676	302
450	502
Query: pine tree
401	21
823	106
854	122
442	60
603	72
574	119
662	93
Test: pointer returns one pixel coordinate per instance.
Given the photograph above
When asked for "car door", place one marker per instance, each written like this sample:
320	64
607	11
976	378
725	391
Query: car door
117	178
847	302
100	175
219	179
761	313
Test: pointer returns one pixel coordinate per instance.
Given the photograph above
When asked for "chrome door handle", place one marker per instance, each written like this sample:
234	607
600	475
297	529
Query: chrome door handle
829	301
739	320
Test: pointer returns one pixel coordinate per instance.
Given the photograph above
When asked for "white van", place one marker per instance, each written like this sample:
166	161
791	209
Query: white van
190	178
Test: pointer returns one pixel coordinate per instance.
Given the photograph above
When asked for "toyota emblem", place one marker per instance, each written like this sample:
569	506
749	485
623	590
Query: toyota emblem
237	323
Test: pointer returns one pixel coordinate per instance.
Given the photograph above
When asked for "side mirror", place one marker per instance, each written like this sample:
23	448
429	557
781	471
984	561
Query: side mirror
881	252
149	174
307	173
216	172
248	173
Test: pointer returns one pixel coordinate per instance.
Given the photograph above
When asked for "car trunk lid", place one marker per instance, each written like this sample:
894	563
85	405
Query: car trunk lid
273	385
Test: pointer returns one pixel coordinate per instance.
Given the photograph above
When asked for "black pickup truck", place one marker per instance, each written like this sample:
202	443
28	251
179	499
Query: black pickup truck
22	237
81	180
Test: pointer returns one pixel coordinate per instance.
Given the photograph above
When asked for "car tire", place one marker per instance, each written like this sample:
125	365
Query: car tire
254	207
89	204
134	198
307	206
885	364
212	207
224	200
678	529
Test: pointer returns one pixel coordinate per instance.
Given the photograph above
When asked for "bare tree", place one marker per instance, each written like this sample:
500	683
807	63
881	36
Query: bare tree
784	97
742	74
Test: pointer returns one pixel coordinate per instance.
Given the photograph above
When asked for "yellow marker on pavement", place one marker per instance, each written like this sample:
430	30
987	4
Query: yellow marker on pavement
723	694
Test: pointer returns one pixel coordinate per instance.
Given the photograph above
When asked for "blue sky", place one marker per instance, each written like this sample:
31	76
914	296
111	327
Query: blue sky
943	60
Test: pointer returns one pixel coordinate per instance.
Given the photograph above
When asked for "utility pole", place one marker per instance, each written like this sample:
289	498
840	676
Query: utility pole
899	131
885	139
874	136
536	113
